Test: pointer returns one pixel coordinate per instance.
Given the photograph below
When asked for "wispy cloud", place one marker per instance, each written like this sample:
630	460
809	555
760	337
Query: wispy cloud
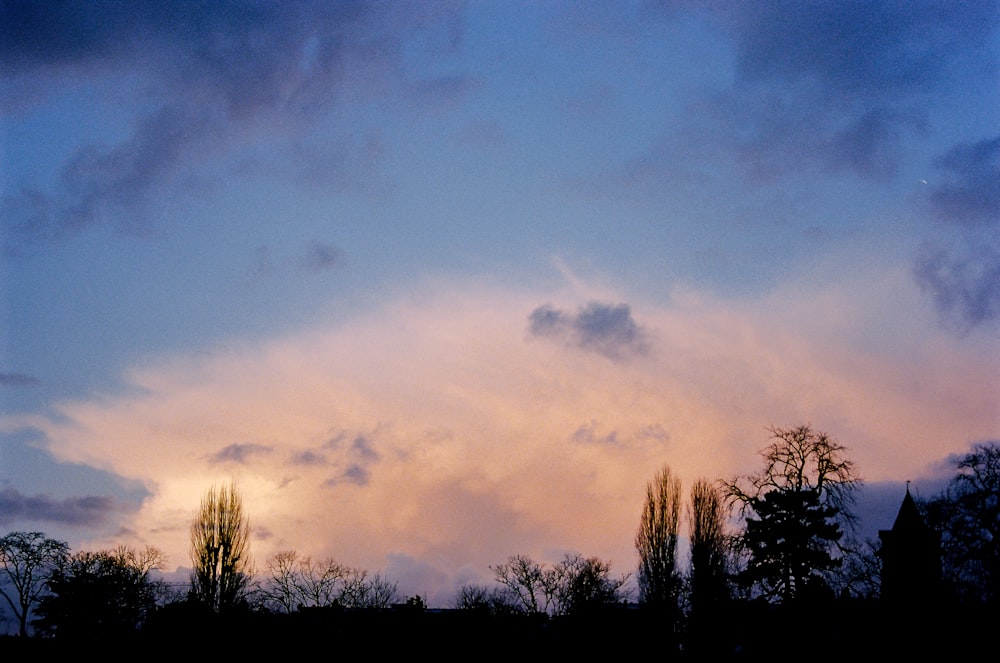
964	283
308	457
222	70
838	84
870	48
240	454
962	273
321	257
972	194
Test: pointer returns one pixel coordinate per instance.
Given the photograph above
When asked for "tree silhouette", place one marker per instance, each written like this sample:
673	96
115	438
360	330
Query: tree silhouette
585	584
794	510
709	570
656	543
295	582
27	559
528	581
103	595
575	584
967	514
789	543
219	550
494	601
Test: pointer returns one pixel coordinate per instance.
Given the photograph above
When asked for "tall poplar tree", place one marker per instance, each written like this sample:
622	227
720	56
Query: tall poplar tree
220	537
656	542
708	574
709	554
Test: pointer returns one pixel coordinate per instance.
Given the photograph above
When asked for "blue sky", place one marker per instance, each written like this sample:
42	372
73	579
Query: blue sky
442	282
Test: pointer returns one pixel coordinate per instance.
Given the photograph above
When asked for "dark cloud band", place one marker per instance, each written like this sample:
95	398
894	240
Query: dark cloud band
91	510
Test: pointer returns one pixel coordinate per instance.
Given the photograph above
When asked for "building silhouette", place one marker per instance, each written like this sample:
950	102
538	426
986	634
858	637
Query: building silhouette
911	557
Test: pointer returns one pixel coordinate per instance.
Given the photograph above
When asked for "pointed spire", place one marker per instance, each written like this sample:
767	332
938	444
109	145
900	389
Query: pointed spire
909	517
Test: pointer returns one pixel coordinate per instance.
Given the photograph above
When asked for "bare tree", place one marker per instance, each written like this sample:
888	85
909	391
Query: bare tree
860	574
656	542
320	583
294	582
530	583
279	589
364	591
794	511
490	600
585	583
27	559
801	459
220	549
571	586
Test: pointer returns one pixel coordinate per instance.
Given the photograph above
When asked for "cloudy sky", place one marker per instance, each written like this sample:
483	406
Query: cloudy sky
437	283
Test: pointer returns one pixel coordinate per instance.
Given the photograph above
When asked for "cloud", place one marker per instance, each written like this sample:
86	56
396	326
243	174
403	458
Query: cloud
96	178
972	197
308	458
812	89
872	48
239	453
218	74
40	35
321	257
354	474
17	380
837	85
588	434
606	329
77	511
962	273
964	284
869	144
356	459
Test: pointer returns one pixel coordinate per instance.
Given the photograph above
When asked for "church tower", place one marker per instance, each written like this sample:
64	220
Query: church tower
911	557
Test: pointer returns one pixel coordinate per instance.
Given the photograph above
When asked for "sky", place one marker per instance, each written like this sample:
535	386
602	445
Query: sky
438	283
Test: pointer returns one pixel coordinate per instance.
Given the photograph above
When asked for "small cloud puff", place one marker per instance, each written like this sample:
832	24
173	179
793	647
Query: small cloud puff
356	459
606	329
588	434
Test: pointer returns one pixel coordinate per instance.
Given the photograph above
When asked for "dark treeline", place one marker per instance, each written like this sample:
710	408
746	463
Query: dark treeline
830	630
773	571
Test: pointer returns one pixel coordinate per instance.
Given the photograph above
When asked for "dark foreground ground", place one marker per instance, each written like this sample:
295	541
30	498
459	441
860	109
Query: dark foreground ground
835	632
